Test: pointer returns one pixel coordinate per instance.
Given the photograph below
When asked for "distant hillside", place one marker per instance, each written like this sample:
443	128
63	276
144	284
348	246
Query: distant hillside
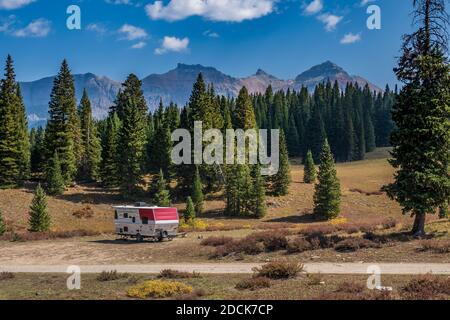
176	85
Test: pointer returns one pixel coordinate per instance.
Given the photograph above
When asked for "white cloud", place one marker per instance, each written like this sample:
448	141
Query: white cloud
351	38
330	21
6	23
216	10
211	34
131	33
139	45
98	28
14	4
173	44
36	29
365	2
314	7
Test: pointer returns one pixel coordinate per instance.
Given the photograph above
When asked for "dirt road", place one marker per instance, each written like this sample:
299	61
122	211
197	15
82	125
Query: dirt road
241	268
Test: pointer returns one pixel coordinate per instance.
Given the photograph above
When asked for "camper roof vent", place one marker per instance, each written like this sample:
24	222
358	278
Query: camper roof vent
140	204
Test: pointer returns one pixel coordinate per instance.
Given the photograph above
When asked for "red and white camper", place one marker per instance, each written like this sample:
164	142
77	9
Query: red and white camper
141	221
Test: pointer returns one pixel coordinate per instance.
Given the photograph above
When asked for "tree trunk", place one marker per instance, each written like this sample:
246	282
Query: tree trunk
419	225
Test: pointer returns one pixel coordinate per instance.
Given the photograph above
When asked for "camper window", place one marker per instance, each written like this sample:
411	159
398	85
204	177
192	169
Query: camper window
134	220
144	220
125	215
116	215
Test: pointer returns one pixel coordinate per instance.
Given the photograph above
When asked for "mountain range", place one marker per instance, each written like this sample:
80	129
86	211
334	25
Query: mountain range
176	85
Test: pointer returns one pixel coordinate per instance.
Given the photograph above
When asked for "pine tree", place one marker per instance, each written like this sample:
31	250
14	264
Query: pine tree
293	140
282	179
162	196
38	150
189	214
258	201
327	196
62	134
238	190
244	116
14	155
23	140
39	220
2	225
110	164
197	193
54	177
132	136
421	139
90	160
310	169
315	133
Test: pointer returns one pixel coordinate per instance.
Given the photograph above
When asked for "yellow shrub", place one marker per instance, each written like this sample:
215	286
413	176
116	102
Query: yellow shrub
338	221
158	289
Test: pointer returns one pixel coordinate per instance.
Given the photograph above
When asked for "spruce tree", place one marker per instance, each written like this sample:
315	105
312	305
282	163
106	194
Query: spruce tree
421	139
282	179
310	169
315	133
90	160
14	157
62	134
39	220
162	195
38	150
197	193
293	140
110	164
132	136
2	225
189	214
54	177
258	194
327	196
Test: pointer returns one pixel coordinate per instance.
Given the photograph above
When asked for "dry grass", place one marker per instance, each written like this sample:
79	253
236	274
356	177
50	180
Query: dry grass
436	246
173	274
253	284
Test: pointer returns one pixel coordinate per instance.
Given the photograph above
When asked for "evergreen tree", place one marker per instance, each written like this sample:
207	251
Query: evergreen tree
315	133
2	225
282	179
162	196
39	220
54	177
258	194
293	140
238	190
244	116
110	163
327	196
90	160
62	134
310	169
14	145
421	140
37	142
197	193
132	135
189	214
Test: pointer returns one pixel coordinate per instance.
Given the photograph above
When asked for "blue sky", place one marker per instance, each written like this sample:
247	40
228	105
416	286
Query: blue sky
283	37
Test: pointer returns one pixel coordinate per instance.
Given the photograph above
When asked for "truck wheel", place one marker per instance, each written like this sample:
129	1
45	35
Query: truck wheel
139	238
163	236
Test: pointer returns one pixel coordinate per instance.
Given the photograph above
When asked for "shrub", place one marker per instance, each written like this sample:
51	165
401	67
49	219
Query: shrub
320	230
279	270
349	228
173	274
426	287
275	242
253	284
158	289
84	213
298	245
323	242
350	287
6	276
436	246
389	223
216	241
248	246
315	279
354	244
37	236
111	276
